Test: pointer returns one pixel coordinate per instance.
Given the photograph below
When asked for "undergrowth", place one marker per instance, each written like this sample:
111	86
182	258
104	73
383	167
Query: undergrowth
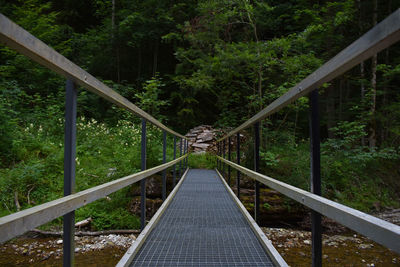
104	153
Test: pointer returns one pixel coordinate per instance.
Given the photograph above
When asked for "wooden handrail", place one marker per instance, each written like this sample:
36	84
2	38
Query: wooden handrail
381	231
20	222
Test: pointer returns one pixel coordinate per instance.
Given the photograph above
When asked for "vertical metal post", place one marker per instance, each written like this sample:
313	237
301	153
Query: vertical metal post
186	151
217	155
183	153
174	176
180	155
143	181
164	174
69	170
229	158
238	162
257	169
223	155
316	229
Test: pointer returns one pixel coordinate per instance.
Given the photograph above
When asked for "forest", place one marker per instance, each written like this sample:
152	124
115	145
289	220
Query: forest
189	63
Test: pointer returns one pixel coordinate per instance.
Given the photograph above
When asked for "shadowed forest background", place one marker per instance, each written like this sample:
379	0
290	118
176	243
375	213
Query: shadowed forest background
189	63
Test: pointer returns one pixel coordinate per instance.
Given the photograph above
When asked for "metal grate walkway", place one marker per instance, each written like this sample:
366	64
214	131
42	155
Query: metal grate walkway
202	227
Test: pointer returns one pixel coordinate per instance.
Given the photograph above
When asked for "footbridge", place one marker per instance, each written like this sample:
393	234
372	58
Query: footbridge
202	221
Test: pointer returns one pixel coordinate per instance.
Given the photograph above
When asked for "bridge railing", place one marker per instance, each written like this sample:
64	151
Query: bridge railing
18	223
378	38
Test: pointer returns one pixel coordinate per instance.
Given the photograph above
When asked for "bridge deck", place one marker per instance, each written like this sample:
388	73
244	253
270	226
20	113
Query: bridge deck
202	227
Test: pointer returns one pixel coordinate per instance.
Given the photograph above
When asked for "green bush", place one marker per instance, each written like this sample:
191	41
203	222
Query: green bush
202	161
104	153
350	174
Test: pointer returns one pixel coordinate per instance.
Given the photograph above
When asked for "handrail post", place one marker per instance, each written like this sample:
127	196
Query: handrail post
69	170
316	229
143	181
164	174
186	151
238	162
223	155
229	158
180	155
257	169
217	155
174	175
183	153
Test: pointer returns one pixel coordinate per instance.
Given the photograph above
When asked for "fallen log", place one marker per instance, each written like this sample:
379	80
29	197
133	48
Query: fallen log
83	222
82	233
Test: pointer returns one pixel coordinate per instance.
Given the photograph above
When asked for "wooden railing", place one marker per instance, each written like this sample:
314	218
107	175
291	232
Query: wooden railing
378	38
18	223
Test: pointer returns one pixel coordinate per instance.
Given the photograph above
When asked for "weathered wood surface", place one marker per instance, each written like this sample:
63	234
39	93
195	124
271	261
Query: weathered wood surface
380	231
19	39
20	222
378	38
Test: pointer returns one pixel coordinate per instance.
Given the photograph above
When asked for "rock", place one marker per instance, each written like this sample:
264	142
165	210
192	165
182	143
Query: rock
202	138
153	187
203	146
59	242
206	136
152	206
307	242
365	246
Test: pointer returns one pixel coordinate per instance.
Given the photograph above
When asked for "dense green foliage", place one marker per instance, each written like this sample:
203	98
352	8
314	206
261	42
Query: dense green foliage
194	62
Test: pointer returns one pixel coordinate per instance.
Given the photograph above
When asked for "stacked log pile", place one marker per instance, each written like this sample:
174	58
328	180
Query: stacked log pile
202	138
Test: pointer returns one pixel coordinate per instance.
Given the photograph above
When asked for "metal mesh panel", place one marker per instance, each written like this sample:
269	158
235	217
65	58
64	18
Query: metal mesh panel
202	227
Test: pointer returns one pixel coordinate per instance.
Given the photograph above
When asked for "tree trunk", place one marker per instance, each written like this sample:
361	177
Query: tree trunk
16	201
155	57
385	124
330	110
113	18
342	81
114	43
139	63
362	71
372	124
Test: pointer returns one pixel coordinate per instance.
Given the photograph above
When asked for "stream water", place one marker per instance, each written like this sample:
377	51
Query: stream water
48	252
347	249
294	246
